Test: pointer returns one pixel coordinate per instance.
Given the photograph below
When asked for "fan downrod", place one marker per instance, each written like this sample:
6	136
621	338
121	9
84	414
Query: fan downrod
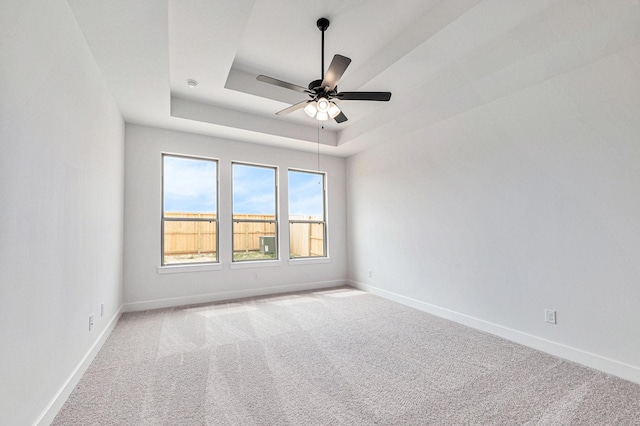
323	24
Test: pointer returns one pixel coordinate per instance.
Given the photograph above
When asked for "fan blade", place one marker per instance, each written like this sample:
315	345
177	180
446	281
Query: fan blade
276	82
340	118
338	66
292	108
364	96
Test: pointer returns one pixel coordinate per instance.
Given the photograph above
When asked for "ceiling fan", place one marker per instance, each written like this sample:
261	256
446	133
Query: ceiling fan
324	92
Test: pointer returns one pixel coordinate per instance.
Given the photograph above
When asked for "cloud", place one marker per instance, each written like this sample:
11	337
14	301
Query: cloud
190	185
306	196
254	190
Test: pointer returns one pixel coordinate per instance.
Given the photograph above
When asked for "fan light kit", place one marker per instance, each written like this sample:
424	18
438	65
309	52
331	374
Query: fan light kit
322	109
323	92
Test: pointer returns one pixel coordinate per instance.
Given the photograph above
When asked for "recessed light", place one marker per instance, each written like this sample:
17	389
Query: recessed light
192	84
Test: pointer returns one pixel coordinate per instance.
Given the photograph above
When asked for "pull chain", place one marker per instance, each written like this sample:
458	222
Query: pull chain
319	124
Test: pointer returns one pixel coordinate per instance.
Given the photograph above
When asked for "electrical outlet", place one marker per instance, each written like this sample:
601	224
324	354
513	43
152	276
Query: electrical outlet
255	276
102	309
370	273
550	316
90	322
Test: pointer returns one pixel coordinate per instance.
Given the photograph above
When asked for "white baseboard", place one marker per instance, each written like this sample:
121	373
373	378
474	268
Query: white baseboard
228	295
49	413
607	365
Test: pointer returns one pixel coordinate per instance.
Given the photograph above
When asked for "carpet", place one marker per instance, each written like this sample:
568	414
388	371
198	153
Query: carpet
331	357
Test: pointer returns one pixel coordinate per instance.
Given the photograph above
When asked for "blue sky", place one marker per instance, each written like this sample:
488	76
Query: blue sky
305	194
190	186
254	190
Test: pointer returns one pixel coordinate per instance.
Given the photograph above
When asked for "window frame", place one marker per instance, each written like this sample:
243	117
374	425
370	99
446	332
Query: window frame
275	220
325	246
164	219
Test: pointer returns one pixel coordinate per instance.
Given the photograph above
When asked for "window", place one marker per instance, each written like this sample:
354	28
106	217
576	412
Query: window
189	210
255	223
307	223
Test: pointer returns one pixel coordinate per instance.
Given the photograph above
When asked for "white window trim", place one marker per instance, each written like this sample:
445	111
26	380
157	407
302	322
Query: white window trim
235	264
313	259
309	260
189	267
181	268
255	264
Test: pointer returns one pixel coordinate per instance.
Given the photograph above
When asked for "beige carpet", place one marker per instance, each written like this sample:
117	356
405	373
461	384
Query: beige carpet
333	357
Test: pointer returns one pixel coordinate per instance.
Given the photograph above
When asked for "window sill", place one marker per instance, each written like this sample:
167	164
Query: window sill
255	264
177	269
309	260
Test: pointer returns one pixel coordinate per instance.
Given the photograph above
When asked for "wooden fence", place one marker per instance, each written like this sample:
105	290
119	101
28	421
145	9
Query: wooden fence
189	237
199	237
246	235
306	239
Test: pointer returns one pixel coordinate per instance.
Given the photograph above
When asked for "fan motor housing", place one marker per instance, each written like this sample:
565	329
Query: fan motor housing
315	85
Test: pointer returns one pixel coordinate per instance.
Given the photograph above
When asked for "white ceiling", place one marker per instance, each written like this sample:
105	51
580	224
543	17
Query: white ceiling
439	58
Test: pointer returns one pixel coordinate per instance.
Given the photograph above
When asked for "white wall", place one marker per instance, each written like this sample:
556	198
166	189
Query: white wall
146	288
61	206
526	203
